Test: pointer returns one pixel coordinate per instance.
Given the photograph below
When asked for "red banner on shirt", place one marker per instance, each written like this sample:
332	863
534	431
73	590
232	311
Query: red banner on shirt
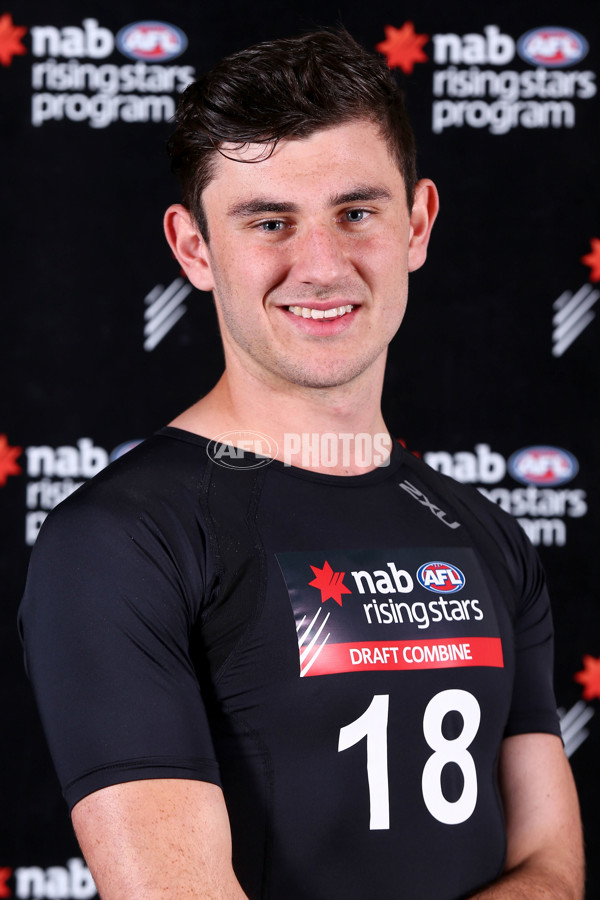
373	656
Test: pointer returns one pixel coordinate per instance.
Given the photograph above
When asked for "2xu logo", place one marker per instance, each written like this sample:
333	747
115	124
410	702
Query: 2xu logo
441	577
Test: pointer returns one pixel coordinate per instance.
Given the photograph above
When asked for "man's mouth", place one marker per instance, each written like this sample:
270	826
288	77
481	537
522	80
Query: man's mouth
306	312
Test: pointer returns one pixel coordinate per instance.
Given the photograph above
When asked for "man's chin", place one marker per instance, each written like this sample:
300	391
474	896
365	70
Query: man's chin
313	377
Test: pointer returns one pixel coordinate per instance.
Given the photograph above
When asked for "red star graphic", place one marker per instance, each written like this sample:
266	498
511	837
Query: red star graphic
589	677
402	47
10	39
8	460
330	583
5	874
592	259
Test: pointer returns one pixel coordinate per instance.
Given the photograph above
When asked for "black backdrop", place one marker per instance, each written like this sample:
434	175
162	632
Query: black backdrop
102	341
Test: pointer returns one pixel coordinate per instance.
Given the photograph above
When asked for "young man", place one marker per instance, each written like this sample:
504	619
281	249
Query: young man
329	679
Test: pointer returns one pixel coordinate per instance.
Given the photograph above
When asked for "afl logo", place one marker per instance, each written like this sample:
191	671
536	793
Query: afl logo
151	41
543	466
552	47
441	577
242	449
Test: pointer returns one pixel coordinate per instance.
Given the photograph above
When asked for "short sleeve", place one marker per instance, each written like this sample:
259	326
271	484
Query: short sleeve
533	707
106	621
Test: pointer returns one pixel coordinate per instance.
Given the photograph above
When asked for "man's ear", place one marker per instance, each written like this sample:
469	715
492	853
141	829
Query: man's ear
188	246
425	209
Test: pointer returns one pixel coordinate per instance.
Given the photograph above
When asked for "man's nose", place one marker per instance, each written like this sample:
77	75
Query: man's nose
321	256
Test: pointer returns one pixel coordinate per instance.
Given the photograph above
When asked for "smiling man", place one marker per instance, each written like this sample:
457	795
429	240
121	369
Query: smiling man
307	678
308	259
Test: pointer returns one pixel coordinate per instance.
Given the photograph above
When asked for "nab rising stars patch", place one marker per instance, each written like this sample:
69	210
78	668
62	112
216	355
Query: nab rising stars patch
394	610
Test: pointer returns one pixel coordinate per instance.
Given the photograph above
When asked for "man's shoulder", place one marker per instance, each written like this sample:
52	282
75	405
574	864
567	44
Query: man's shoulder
160	474
461	495
489	525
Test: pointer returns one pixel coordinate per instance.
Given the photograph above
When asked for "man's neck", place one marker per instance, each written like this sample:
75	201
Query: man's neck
338	431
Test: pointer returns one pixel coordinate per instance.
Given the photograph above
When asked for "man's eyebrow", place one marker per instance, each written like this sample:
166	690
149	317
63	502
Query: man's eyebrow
361	194
258	206
262	205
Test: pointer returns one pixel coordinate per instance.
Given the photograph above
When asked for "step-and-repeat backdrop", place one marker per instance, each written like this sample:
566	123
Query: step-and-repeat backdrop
493	377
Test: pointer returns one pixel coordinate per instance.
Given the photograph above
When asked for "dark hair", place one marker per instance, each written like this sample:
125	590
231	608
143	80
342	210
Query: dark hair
287	88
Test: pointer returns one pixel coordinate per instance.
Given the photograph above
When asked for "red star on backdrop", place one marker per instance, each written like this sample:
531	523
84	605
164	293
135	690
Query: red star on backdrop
8	460
589	677
402	47
592	259
10	39
5	874
330	583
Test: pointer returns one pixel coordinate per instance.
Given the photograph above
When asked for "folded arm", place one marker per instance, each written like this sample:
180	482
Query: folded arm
163	838
544	839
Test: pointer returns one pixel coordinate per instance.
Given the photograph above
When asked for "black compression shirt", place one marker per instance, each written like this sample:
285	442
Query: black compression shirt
344	655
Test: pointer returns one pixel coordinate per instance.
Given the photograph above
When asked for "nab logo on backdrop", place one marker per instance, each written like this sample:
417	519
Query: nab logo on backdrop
542	505
70	882
53	474
474	88
73	81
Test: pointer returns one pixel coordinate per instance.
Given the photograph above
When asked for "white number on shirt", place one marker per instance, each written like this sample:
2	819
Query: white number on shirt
372	724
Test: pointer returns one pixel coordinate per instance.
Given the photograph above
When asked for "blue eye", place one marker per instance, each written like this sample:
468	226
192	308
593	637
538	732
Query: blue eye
271	225
356	215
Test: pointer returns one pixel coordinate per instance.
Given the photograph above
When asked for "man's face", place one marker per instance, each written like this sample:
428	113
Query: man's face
309	256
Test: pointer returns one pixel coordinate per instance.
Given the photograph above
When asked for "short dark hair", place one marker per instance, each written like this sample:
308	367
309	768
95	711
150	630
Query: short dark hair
288	88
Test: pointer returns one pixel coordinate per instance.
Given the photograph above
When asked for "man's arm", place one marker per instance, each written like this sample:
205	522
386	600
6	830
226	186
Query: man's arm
544	840
163	838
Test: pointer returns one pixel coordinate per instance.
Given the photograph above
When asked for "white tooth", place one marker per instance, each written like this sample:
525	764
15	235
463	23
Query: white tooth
307	313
